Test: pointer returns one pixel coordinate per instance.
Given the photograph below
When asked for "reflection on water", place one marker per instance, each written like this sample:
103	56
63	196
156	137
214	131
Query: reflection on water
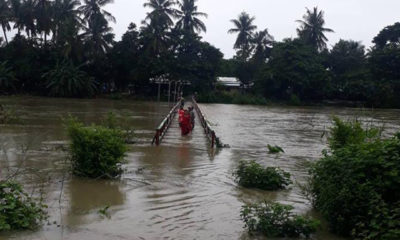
88	195
179	190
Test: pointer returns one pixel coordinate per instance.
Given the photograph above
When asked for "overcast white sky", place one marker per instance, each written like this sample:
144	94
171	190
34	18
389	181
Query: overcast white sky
358	20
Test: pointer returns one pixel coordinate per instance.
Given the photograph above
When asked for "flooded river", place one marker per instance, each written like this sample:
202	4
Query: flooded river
179	190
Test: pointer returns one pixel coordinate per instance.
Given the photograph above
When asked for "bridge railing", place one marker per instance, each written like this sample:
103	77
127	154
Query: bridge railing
164	125
210	133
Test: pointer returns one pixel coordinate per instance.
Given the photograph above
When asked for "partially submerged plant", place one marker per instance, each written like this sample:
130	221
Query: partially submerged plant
253	175
96	151
351	132
17	209
274	149
356	186
276	220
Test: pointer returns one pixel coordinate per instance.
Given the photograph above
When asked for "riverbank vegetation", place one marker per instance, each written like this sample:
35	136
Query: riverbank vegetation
356	185
96	151
66	48
252	175
18	210
276	220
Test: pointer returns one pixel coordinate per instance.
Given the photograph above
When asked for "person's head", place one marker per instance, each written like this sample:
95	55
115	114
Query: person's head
181	108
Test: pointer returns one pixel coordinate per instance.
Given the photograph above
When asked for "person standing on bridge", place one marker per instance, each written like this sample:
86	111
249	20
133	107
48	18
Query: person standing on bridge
181	112
186	125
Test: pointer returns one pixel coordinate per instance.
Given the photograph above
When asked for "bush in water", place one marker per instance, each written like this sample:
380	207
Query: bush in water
17	209
276	220
96	151
252	174
357	187
351	132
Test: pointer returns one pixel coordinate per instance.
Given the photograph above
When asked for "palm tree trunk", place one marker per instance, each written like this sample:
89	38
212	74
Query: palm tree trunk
5	34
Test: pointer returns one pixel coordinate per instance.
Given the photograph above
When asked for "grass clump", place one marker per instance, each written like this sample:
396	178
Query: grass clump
17	210
253	175
96	151
357	186
276	220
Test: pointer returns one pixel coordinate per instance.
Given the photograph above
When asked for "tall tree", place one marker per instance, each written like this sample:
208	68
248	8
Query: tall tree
90	8
26	18
43	14
5	17
347	64
262	41
98	33
162	13
189	17
245	28
65	13
312	29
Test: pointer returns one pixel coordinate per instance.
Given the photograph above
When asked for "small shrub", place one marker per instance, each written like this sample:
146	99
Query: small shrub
351	132
18	210
96	151
357	186
274	149
276	220
252	174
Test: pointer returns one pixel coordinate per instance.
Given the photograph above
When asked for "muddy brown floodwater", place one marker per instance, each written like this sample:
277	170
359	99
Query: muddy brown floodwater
179	190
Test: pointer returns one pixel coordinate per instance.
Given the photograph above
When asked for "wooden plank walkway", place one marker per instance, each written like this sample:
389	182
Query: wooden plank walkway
196	139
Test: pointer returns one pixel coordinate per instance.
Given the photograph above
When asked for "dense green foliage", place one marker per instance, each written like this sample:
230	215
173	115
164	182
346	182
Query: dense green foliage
96	151
357	186
17	209
71	43
233	97
276	220
253	175
346	133
66	80
7	78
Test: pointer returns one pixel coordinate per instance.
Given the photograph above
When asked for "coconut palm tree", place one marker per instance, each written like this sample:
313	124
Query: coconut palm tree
97	32
98	36
26	18
5	17
65	14
93	7
43	14
188	17
262	41
245	28
312	29
162	13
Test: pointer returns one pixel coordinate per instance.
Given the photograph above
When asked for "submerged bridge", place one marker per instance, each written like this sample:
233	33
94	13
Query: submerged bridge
169	127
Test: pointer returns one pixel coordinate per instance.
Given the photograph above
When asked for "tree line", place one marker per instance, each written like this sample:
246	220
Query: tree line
303	69
66	48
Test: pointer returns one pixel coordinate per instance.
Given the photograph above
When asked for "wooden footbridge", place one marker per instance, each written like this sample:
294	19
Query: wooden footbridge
171	121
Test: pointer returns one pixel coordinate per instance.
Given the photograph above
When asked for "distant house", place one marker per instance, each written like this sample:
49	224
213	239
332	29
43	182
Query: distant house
228	82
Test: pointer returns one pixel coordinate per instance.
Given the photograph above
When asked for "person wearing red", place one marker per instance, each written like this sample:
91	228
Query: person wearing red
181	112
186	125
